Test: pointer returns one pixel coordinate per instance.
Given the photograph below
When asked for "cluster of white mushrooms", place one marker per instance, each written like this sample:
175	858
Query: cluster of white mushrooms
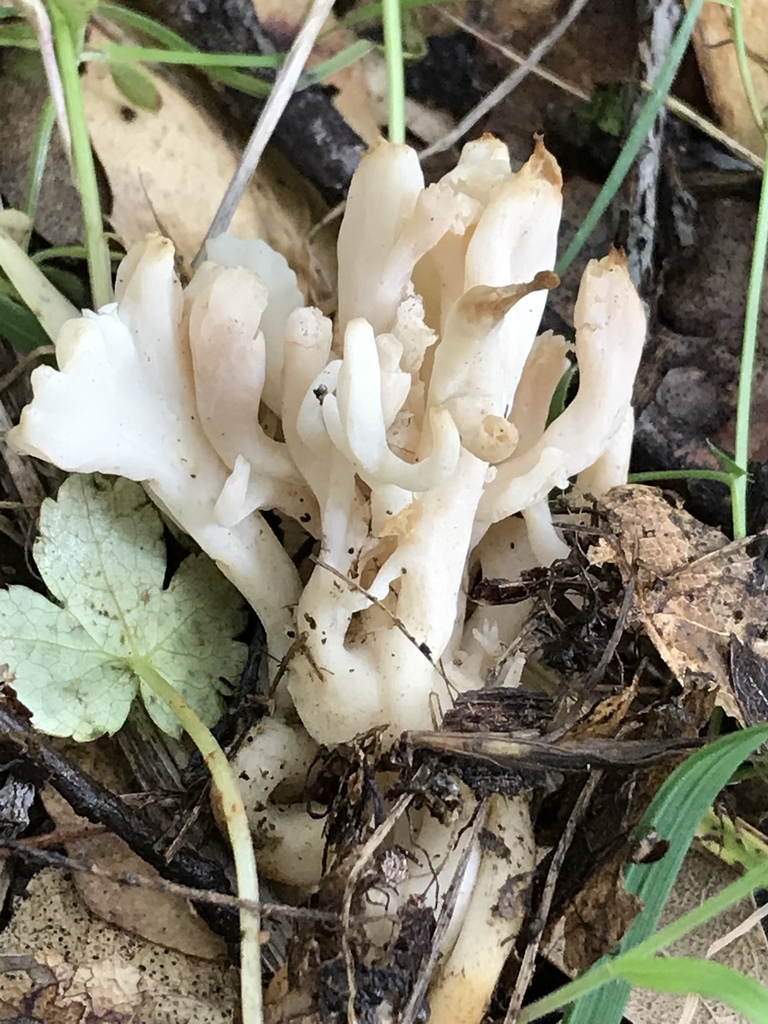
409	438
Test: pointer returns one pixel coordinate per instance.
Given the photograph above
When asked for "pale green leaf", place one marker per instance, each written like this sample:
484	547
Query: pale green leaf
136	85
78	667
58	670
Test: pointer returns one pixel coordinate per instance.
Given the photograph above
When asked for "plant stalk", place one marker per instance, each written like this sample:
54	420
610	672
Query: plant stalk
393	49
82	155
239	833
754	301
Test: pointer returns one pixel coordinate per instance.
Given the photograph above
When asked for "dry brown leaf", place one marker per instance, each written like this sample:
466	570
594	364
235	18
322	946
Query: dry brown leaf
693	614
716	55
656	534
694	590
168	171
606	717
82	964
158	917
598	917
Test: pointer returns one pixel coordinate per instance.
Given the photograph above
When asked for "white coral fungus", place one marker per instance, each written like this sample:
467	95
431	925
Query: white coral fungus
410	436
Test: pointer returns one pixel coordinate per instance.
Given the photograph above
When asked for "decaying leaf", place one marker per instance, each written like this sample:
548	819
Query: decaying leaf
161	918
694	592
168	171
749	678
598	917
83	970
716	55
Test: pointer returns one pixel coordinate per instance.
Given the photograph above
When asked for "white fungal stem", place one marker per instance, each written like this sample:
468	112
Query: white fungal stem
493	916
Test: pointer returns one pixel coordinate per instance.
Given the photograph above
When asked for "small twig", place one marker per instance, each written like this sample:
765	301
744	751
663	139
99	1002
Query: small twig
35	12
33	849
283	89
421	647
528	962
368	850
92	801
415	1004
505	87
597	673
24	363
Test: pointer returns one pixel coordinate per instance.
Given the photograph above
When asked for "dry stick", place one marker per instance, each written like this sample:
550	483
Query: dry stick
505	87
283	89
528	962
639	199
366	853
31	357
91	800
35	851
415	1004
34	11
675	106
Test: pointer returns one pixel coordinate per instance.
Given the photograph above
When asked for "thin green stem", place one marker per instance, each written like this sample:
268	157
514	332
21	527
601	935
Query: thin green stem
191	58
85	169
742	60
754	302
720	475
656	99
37	162
239	836
393	48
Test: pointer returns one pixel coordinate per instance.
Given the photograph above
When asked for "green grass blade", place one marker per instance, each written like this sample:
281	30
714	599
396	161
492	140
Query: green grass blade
20	327
37	161
675	813
393	51
99	270
637	136
173	41
188	57
346	58
753	309
706	978
608	970
146	26
654	475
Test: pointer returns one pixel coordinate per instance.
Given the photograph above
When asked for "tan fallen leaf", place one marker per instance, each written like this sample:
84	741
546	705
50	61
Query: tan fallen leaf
81	969
168	171
694	591
163	918
712	40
